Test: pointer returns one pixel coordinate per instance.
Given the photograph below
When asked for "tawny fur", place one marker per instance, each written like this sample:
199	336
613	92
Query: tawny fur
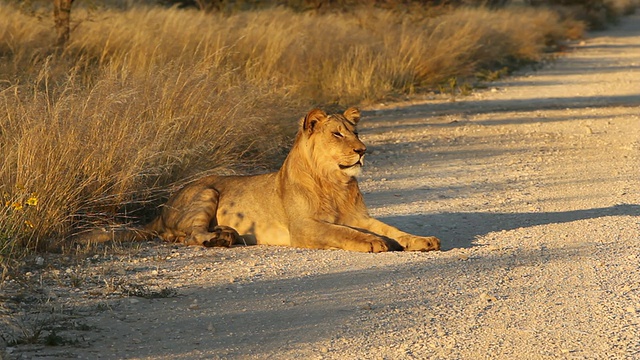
313	201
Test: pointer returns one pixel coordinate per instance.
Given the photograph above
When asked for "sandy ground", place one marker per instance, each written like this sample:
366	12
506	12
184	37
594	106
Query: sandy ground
532	186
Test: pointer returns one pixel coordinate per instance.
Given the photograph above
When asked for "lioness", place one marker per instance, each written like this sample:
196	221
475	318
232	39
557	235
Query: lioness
313	201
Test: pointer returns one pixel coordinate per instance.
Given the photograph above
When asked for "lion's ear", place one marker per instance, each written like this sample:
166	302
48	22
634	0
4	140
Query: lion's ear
352	114
312	119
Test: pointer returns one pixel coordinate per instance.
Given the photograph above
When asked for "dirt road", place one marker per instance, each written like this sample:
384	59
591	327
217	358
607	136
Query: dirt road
533	187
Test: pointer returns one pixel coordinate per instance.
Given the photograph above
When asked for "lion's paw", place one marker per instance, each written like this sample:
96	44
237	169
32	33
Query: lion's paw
223	236
376	244
420	243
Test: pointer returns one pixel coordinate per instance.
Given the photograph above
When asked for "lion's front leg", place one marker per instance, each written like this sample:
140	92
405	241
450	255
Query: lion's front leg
321	235
408	241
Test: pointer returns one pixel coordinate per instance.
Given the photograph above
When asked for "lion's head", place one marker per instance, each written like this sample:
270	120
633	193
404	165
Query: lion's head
332	143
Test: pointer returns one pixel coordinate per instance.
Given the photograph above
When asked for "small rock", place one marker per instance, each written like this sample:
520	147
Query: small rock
488	297
366	307
494	248
194	305
133	301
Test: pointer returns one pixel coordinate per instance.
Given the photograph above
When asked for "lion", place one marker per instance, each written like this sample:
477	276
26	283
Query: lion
313	201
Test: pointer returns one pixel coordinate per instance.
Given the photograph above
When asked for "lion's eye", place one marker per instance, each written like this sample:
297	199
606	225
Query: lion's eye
338	134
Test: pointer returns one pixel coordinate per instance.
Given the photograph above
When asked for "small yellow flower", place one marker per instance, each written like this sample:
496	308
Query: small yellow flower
16	206
32	200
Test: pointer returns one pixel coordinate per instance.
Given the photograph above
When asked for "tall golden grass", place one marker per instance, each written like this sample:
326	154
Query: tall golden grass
142	99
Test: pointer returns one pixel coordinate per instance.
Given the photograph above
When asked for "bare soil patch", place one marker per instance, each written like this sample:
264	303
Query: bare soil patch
532	186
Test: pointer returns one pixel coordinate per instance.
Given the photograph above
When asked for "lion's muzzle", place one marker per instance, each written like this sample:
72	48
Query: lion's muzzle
358	163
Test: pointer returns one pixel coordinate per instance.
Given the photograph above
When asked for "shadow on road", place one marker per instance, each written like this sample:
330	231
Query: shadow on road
496	106
459	230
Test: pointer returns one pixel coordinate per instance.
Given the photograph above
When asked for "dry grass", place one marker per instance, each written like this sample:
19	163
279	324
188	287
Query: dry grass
146	98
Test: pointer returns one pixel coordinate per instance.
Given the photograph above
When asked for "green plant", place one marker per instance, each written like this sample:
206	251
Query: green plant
492	75
25	329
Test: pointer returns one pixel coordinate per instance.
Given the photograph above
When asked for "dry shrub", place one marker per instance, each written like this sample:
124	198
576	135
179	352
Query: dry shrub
89	155
596	14
624	7
112	124
403	53
355	56
23	42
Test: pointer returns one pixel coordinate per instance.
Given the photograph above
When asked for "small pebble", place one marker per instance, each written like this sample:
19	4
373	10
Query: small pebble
487	297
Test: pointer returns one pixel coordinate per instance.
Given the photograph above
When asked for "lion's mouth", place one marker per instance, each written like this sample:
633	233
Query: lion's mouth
360	162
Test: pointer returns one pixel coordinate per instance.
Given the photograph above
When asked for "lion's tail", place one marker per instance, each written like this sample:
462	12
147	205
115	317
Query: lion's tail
155	227
119	234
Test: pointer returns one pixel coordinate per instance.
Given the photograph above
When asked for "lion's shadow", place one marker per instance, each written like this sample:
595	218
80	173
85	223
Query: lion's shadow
459	230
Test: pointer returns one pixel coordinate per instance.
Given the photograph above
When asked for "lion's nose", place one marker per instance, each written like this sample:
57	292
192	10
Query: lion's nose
360	150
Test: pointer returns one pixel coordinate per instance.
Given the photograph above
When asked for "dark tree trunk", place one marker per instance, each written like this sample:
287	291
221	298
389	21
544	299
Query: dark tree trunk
62	17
